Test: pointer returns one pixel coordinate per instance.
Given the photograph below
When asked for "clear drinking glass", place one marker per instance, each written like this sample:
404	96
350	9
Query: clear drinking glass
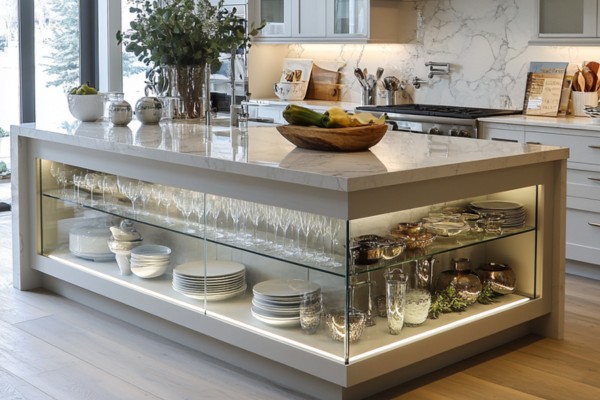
311	311
395	285
418	295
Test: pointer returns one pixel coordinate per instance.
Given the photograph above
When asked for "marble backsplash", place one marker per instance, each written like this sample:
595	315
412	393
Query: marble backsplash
485	42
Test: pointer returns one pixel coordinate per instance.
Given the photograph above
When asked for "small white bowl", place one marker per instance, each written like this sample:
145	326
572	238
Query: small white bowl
86	107
290	90
149	271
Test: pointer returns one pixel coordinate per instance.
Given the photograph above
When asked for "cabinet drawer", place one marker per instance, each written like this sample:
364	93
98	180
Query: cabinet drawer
583	230
490	132
583	149
583	183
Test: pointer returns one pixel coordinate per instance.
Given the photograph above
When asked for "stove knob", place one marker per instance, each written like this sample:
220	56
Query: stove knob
454	132
435	131
464	133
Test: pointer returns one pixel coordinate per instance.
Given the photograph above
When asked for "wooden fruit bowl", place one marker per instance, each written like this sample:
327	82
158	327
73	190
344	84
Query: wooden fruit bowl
358	138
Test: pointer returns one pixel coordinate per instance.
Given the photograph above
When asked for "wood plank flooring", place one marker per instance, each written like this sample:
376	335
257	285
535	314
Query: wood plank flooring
52	348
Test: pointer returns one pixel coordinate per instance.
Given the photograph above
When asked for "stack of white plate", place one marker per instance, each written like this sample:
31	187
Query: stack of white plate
218	280
513	212
277	301
150	260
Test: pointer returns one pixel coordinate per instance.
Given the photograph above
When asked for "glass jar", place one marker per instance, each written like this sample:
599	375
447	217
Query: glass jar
111	97
466	282
418	294
395	291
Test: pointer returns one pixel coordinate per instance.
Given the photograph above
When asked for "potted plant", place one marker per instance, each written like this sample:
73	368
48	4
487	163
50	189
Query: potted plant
180	39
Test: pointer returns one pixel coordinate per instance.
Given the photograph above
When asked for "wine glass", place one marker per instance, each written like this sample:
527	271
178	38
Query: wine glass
256	216
130	189
58	172
221	213
198	208
91	183
305	225
166	199
184	201
78	181
108	185
145	189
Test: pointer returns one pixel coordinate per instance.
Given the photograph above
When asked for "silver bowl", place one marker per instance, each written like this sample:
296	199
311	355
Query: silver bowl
500	277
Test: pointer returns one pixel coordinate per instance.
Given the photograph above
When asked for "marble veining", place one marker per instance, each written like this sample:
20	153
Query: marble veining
399	158
486	42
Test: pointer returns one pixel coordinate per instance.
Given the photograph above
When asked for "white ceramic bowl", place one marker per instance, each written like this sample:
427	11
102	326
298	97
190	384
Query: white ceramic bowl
290	90
86	107
149	270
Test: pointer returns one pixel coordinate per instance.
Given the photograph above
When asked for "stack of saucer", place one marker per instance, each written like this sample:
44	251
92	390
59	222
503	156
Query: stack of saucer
277	301
217	280
513	213
150	260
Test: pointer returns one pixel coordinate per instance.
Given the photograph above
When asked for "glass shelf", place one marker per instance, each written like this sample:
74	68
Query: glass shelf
177	225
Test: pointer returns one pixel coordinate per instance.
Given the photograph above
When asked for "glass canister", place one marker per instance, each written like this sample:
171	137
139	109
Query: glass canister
418	292
466	282
395	291
111	97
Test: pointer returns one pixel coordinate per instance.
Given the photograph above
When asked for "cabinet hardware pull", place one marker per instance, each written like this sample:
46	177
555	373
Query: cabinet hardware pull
534	142
594	179
595	224
594	147
505	140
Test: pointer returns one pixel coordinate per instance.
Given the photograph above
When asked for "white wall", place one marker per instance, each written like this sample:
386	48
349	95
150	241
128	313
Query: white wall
485	41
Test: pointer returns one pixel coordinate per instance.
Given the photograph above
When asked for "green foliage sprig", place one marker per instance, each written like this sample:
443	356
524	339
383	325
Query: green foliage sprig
183	32
446	301
487	295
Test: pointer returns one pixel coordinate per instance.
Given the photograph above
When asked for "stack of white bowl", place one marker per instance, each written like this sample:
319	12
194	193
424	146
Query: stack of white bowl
124	238
150	260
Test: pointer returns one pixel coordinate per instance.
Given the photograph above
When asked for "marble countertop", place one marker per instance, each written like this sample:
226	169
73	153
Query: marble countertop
584	123
399	158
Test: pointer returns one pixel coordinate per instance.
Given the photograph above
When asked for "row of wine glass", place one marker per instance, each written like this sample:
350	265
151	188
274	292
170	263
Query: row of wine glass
290	234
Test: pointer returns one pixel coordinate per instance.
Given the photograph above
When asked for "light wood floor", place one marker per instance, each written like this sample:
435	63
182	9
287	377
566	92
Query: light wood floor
52	348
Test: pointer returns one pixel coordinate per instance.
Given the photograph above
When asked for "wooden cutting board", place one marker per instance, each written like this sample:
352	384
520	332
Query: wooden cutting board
324	84
322	75
323	91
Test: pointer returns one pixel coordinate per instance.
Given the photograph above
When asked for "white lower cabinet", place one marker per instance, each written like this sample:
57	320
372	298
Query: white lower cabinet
583	186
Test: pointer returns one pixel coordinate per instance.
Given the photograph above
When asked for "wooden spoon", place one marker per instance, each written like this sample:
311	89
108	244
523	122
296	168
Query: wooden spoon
589	79
575	82
594	66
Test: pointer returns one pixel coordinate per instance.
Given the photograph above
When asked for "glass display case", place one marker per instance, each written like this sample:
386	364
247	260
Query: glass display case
253	265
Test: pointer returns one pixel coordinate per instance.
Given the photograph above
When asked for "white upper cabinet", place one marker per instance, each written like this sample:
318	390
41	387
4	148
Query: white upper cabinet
573	21
334	21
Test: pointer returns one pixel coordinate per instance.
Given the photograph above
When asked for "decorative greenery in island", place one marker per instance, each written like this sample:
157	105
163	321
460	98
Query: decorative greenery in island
184	36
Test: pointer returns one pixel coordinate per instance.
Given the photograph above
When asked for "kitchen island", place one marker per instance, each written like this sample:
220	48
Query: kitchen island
288	213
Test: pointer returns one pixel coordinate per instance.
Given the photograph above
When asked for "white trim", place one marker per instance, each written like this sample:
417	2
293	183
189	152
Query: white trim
110	58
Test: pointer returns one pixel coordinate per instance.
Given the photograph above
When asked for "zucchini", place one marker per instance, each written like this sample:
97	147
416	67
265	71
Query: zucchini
298	115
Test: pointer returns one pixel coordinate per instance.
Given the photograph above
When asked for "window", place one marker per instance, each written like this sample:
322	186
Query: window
57	63
9	76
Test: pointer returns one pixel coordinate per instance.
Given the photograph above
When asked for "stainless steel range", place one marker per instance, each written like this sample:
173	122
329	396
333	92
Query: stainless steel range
436	119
